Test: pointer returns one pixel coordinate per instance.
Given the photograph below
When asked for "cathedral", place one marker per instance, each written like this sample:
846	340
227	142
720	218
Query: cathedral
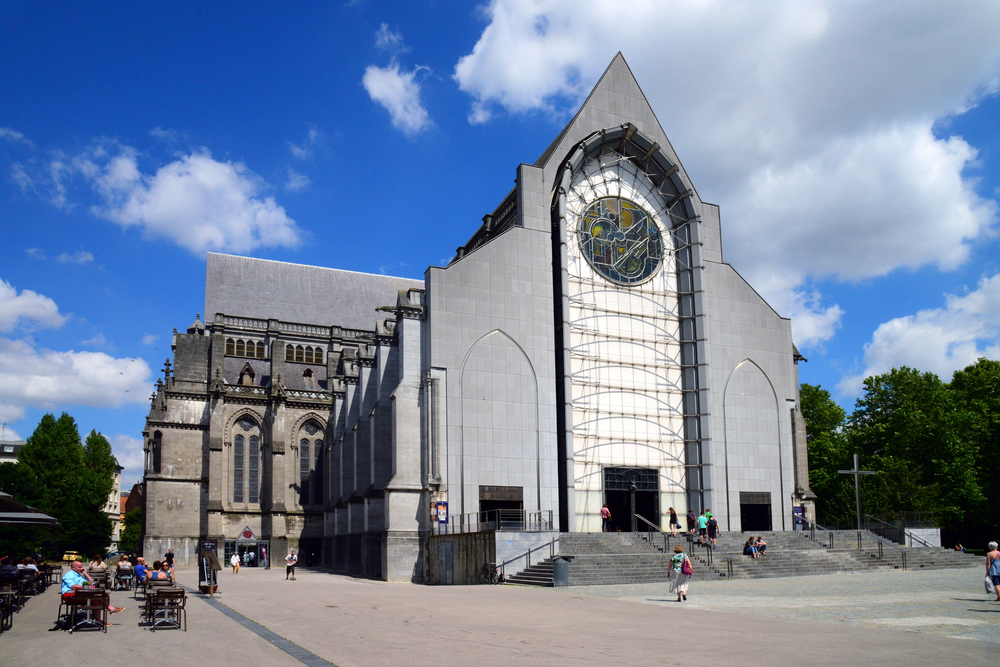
588	345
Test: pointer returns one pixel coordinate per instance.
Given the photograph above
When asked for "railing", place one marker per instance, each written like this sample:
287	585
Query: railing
881	542
527	556
895	532
813	527
311	394
879	547
710	551
520	520
657	529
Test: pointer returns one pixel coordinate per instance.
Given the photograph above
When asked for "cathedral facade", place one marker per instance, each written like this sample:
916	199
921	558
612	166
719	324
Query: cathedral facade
587	345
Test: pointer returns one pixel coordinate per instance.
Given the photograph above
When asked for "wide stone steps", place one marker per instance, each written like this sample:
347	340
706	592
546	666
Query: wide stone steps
622	558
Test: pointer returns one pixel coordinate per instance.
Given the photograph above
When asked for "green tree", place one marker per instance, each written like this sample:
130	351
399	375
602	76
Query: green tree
829	451
906	426
976	392
66	479
132	526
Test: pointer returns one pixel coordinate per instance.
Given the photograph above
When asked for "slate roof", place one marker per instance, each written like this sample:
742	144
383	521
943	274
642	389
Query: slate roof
260	288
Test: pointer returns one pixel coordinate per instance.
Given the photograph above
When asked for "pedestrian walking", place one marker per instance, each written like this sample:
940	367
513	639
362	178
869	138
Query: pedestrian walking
702	527
290	561
675	524
234	560
605	518
692	520
680	573
993	567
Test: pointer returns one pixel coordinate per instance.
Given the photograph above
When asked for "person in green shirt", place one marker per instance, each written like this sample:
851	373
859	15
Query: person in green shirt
702	527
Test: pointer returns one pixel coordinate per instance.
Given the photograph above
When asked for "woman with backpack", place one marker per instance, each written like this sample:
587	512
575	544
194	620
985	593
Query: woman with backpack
680	573
993	567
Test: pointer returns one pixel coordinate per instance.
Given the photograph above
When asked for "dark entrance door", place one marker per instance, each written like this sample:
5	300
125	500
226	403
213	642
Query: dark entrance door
502	506
755	511
620	485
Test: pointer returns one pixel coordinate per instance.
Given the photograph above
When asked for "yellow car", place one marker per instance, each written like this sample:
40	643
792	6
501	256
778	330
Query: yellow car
71	556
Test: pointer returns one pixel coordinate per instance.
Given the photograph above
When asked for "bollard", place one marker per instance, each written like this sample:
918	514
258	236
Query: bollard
560	572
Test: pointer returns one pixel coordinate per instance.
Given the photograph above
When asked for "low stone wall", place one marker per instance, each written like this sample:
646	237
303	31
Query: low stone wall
930	535
458	559
512	544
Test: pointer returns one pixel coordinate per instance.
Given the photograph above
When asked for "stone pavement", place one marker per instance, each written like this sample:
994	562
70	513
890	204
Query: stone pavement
948	603
333	619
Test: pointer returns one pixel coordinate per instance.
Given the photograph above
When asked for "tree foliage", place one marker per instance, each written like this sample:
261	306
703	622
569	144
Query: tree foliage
933	444
67	479
131	529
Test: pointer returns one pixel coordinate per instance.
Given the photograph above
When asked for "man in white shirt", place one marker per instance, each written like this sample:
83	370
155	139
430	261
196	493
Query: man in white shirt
290	560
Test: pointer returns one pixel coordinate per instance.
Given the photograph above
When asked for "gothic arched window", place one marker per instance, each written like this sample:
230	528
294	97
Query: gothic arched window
299	353
230	347
240	348
304	463
260	350
254	468
238	456
309	355
318	474
156	455
289	353
318	356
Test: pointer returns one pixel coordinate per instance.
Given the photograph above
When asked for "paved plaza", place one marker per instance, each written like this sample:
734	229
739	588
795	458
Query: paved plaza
912	618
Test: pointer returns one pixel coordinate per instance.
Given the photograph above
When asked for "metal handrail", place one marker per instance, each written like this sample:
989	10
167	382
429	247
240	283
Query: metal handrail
906	534
711	548
812	531
522	520
881	555
666	538
527	556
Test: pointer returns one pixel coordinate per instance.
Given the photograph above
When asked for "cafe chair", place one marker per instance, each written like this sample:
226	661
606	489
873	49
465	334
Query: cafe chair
93	604
168	607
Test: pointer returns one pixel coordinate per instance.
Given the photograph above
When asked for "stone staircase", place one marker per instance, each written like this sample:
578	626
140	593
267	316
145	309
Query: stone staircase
630	558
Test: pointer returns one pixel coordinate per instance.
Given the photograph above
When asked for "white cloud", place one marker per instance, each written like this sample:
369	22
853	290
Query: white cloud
96	341
35	253
128	451
50	379
809	121
78	257
15	137
938	340
296	182
28	306
170	136
304	150
387	40
198	202
399	93
8	433
20	176
149	339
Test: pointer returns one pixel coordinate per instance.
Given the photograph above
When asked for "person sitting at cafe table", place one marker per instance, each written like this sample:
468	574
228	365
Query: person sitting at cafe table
28	566
97	565
161	570
78	579
140	570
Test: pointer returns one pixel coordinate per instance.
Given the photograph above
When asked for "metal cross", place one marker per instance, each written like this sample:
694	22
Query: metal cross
857	472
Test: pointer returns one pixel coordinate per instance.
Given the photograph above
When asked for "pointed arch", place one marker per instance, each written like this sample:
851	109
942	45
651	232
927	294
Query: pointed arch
262	422
504	337
725	439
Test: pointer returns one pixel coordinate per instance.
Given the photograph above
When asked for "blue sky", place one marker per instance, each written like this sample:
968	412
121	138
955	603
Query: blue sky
853	148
